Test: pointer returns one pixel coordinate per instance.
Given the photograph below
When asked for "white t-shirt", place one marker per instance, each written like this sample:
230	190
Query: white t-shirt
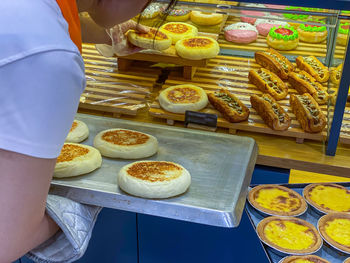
41	77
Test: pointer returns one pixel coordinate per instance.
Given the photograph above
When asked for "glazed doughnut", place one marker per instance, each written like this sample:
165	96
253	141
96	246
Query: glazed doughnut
206	19
251	20
241	33
343	32
177	15
151	11
263	25
312	33
283	38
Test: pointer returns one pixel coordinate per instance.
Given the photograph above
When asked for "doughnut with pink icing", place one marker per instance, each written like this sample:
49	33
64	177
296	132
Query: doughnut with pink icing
251	20
263	25
242	33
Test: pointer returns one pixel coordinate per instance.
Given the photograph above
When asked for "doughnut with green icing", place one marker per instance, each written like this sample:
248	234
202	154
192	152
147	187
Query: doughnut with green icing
283	38
343	32
312	33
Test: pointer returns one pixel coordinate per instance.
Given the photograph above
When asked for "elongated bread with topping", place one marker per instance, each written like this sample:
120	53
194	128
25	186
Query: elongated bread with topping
268	82
271	112
275	62
336	73
303	82
314	67
308	113
229	106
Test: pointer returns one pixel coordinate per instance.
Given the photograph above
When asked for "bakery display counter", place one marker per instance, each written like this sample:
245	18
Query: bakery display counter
220	165
231	73
329	250
108	90
303	48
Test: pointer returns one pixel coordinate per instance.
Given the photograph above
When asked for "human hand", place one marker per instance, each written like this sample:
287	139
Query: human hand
120	44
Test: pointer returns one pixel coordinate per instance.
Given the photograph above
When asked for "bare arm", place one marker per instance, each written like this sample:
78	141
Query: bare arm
24	186
91	32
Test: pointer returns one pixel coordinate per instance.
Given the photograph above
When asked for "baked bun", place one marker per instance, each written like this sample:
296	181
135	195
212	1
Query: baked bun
125	144
206	19
283	38
154	39
152	11
181	98
178	30
154	179
78	132
77	159
197	48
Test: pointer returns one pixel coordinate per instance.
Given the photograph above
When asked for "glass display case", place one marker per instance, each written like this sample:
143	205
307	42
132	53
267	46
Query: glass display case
244	29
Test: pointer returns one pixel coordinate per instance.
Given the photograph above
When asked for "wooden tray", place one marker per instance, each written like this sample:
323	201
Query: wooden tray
109	91
303	49
232	73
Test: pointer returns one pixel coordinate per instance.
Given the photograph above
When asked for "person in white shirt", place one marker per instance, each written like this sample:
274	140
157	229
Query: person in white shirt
41	80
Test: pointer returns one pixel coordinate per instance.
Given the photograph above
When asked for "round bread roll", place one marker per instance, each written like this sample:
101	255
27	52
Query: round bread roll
154	179
206	19
125	144
180	98
197	48
78	133
77	159
154	39
178	30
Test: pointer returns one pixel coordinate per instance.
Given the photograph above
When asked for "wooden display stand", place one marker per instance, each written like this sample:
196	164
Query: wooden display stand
169	56
109	91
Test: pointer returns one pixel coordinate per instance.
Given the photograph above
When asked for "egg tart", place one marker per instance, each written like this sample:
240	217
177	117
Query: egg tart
346	260
328	197
335	230
304	259
277	200
289	235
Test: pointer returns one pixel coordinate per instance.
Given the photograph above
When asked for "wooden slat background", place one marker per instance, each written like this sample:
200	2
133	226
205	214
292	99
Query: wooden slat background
110	91
303	49
232	73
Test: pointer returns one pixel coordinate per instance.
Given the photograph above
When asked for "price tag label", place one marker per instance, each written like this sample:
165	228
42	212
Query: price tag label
200	118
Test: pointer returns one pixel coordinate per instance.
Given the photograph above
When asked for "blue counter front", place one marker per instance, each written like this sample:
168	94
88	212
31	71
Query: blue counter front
124	237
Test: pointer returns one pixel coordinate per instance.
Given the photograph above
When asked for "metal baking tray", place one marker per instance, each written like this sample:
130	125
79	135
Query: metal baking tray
312	216
221	167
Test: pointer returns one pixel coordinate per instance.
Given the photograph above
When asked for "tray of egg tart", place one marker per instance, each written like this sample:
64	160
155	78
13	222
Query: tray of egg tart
302	222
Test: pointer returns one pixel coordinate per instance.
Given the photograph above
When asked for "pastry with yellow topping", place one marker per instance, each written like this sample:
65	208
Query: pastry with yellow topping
335	230
277	200
328	197
197	48
347	260
289	235
304	259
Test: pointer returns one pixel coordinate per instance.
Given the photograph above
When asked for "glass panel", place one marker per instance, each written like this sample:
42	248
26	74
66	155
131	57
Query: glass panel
293	31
